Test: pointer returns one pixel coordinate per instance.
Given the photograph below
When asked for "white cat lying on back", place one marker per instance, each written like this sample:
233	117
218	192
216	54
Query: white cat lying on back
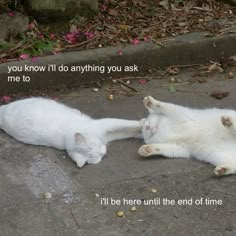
41	121
175	131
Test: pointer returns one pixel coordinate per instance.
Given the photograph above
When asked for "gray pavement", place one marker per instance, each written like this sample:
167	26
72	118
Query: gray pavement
27	172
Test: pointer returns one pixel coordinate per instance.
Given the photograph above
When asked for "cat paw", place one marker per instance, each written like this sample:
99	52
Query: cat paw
147	103
226	121
147	150
150	103
221	170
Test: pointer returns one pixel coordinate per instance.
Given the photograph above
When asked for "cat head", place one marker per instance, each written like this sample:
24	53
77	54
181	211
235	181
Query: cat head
87	149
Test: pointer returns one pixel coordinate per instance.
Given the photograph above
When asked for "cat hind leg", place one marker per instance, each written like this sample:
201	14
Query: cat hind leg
164	108
225	170
148	150
226	121
229	123
150	103
164	149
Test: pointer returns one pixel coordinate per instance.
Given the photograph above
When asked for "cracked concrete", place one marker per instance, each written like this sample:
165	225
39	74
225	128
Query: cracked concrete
27	172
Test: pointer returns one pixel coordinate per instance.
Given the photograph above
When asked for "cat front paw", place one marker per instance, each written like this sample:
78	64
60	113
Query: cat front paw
147	103
146	150
222	170
226	121
150	103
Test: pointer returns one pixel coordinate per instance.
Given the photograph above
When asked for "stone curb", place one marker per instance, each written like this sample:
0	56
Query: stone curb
192	48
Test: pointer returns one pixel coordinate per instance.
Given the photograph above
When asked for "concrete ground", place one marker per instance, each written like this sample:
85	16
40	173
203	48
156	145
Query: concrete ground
27	172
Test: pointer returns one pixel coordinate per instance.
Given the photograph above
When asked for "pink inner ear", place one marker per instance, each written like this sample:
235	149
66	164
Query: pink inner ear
80	138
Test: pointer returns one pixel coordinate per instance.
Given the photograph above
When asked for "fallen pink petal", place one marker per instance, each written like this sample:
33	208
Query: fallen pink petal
142	81
120	52
71	37
34	59
24	56
6	99
91	35
104	7
41	36
135	42
31	26
52	36
11	13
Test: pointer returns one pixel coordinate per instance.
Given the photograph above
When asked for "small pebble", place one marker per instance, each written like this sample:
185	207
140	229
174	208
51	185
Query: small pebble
47	195
96	195
100	45
95	89
230	74
114	81
133	208
128	82
172	79
110	97
120	213
154	190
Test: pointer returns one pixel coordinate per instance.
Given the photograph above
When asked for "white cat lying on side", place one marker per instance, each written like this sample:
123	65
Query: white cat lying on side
41	121
175	131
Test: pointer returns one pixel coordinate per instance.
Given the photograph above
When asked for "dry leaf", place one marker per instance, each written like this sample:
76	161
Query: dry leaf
182	24
215	67
220	94
172	89
139	2
112	12
73	29
165	4
123	3
173	70
124	27
230	75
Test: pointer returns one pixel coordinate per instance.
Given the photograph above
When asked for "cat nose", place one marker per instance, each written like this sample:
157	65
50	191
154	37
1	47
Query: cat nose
148	127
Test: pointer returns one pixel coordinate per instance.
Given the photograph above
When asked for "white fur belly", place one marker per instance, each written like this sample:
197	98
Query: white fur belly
30	135
34	130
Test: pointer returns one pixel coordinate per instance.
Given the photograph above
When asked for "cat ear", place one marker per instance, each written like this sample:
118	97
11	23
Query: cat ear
80	138
80	162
